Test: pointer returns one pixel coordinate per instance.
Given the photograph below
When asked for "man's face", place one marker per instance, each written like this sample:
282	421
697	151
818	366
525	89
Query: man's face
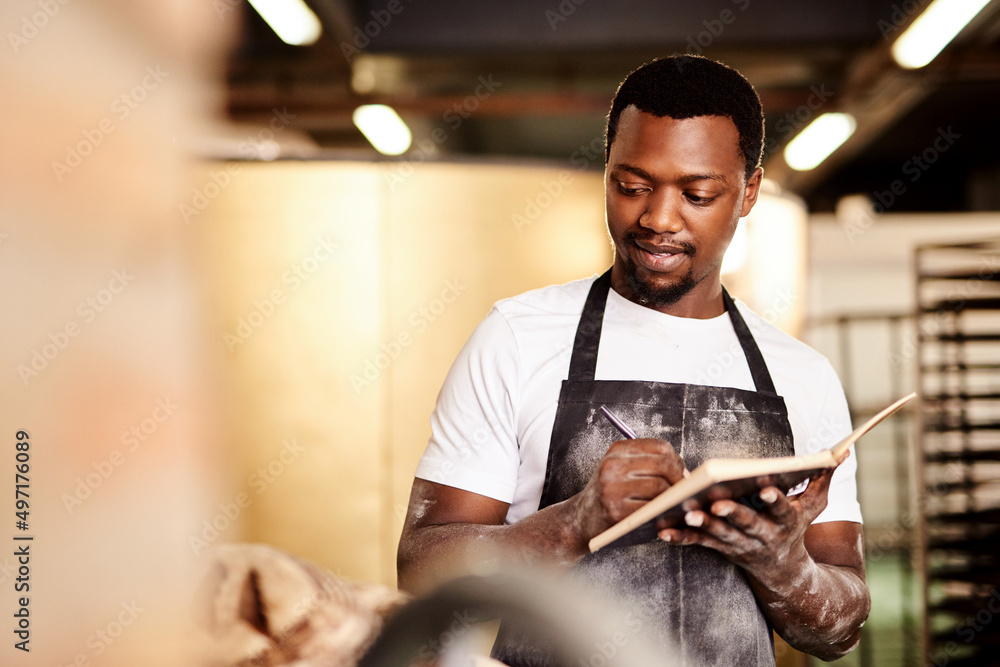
674	192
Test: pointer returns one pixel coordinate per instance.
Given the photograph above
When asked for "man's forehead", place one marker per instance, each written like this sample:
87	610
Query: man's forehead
713	138
634	115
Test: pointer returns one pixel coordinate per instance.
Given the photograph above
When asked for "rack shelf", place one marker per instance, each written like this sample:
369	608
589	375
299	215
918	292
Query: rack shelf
958	325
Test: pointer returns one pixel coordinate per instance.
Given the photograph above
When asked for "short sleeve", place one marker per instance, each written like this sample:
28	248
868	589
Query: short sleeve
833	424
473	444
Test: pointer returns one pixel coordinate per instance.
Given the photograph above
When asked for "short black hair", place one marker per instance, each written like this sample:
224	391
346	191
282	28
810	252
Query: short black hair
688	86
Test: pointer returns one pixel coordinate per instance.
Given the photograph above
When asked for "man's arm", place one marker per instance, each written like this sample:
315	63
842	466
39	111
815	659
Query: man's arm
448	530
809	579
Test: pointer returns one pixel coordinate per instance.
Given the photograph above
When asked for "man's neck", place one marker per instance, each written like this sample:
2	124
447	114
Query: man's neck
703	302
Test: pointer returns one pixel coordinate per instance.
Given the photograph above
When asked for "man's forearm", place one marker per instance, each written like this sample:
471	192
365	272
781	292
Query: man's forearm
819	610
432	553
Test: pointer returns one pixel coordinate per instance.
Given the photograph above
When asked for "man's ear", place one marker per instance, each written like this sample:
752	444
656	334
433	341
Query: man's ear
751	191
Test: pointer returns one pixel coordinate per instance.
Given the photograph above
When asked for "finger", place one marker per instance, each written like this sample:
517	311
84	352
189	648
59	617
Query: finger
737	515
623	507
712	533
744	520
641	487
665	461
814	499
670	464
724	531
640	464
776	505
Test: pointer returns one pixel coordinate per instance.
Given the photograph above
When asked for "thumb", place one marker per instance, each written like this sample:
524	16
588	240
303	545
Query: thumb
814	499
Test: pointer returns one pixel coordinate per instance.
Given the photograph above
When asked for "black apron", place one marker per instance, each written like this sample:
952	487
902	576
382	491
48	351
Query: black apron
688	599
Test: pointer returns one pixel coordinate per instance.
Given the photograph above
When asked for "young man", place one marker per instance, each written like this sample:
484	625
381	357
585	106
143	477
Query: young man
519	456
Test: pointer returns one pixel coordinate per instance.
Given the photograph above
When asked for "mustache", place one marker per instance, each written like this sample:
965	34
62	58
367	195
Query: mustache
653	239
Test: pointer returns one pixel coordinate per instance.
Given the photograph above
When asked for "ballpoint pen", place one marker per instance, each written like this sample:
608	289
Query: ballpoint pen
624	429
618	423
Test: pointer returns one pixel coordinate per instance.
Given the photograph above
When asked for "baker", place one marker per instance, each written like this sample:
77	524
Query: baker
520	458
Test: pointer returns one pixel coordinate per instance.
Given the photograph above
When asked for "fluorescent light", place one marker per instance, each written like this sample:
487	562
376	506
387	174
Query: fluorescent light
818	140
291	20
383	127
933	30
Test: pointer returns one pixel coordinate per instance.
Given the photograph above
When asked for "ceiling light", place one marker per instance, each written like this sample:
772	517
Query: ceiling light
933	30
383	127
818	140
291	20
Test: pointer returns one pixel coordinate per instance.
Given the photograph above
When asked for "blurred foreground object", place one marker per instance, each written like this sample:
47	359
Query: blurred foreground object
260	606
103	356
265	607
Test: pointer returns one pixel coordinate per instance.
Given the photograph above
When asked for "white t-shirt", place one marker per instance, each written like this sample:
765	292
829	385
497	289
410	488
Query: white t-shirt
492	424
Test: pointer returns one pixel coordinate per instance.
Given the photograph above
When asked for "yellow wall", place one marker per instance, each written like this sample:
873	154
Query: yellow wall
347	359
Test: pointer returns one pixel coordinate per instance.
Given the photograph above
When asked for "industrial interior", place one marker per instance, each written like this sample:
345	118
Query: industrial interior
243	242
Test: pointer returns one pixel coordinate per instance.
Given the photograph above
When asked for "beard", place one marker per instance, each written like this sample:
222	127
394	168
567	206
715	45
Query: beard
650	295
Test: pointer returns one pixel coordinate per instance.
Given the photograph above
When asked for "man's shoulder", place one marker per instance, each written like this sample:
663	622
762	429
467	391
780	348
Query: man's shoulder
566	299
779	346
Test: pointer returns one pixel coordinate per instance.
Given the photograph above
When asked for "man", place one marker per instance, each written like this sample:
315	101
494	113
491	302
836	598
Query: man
519	456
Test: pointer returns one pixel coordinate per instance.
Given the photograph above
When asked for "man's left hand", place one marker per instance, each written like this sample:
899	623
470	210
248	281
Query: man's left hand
809	579
761	542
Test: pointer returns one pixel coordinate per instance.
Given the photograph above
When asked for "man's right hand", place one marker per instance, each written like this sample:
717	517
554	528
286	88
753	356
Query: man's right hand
448	530
630	474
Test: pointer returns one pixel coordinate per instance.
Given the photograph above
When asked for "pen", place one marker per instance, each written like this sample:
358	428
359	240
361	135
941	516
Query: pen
618	423
624	429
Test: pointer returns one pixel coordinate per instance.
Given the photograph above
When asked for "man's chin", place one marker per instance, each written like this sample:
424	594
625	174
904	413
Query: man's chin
658	293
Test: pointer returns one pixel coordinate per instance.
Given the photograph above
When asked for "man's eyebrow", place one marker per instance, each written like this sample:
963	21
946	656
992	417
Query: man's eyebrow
707	176
686	179
632	169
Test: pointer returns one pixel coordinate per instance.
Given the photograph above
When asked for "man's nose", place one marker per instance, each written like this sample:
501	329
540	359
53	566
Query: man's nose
662	214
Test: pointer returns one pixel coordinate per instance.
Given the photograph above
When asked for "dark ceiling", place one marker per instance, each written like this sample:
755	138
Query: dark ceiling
545	72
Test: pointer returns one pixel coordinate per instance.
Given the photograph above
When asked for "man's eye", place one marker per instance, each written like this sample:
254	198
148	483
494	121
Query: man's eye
630	191
696	199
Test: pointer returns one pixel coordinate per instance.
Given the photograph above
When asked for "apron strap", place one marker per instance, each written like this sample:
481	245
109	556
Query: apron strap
755	360
583	362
